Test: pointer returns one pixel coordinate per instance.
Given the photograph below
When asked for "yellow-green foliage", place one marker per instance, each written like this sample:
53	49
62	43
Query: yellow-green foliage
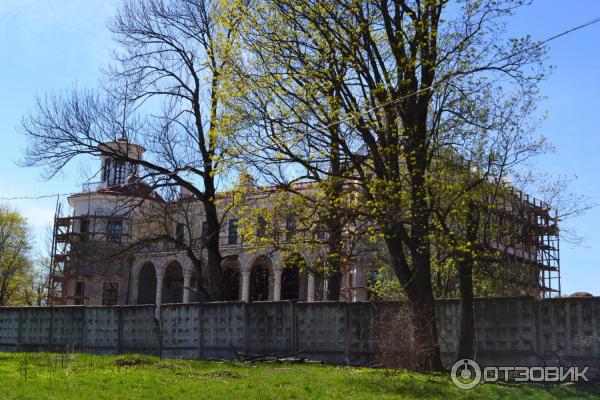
276	218
16	269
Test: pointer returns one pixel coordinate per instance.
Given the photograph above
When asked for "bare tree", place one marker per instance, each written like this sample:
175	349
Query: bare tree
165	92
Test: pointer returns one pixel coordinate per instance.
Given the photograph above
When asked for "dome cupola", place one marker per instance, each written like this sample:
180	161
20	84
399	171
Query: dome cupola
119	164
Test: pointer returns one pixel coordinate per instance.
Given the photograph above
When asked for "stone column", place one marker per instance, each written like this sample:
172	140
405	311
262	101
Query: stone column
160	275
360	284
245	276
310	287
276	284
187	280
133	286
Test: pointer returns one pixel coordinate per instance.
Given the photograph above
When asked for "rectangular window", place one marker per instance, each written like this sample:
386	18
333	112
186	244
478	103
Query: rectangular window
261	228
320	232
119	172
110	293
114	229
204	229
79	294
290	227
84	229
180	235
107	171
233	231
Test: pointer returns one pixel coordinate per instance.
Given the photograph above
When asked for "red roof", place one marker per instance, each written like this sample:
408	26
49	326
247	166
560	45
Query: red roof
139	189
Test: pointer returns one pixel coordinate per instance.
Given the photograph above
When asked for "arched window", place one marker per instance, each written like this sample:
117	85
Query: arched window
259	283
231	284
290	283
147	285
172	290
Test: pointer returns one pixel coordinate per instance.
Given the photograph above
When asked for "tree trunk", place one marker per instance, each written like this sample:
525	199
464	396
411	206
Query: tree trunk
334	215
420	293
467	316
426	334
466	338
418	288
334	252
334	285
214	274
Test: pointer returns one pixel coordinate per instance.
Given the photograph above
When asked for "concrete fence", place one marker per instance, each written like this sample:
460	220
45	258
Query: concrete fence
509	331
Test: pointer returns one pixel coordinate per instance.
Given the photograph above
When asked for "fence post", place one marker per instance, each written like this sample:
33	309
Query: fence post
200	333
83	328
347	352
159	327
119	329
538	334
294	329
19	328
245	309
50	326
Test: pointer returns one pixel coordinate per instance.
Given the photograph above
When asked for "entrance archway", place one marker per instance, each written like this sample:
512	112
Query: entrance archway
231	284
259	281
147	285
290	283
172	290
231	279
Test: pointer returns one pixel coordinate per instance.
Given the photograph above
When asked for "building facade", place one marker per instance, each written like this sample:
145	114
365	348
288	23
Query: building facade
98	260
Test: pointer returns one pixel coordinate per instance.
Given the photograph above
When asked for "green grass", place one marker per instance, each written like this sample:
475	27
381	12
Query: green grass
91	377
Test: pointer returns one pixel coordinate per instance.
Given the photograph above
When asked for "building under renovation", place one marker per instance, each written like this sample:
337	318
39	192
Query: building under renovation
90	266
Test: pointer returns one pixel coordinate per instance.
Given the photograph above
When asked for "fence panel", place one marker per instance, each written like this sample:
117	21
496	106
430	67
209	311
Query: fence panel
102	330
569	329
140	330
9	328
35	329
269	327
222	329
67	333
509	331
322	330
180	330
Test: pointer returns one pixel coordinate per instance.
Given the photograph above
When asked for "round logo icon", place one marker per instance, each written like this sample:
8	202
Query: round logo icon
465	374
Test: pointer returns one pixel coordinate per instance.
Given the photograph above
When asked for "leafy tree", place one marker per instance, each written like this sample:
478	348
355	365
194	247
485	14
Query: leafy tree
16	269
408	84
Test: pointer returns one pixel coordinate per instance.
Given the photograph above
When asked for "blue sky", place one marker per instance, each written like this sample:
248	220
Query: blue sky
46	45
51	45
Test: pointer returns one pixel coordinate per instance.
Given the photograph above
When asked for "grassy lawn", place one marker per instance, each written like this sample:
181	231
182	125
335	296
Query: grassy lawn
91	377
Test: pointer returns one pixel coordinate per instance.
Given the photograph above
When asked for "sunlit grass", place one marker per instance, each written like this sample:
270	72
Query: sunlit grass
91	377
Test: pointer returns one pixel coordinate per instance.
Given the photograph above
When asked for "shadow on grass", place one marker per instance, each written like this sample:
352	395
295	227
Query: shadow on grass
438	385
399	382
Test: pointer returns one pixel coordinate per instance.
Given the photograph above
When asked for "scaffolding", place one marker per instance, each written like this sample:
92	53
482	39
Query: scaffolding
545	233
529	237
67	240
59	257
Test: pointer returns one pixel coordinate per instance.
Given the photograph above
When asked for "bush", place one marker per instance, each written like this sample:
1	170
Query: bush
397	339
